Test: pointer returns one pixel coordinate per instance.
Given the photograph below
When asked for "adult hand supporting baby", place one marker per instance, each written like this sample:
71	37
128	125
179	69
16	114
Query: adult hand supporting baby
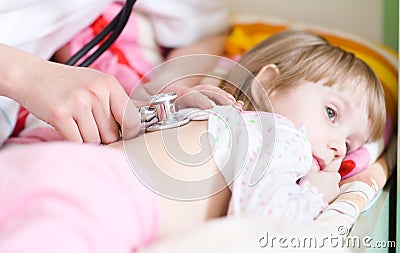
202	96
189	72
82	104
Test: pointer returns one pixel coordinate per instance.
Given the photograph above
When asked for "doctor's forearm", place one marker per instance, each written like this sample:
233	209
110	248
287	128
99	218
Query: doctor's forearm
16	70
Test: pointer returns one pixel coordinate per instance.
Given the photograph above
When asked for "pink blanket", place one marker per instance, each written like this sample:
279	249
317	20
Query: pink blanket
64	197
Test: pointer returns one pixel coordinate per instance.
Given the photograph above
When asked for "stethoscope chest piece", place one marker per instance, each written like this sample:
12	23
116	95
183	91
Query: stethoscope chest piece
162	110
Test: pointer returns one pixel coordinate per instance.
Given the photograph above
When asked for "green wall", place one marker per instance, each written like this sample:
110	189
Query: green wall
391	23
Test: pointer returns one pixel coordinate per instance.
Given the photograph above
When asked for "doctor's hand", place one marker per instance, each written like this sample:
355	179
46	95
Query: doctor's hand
82	104
203	96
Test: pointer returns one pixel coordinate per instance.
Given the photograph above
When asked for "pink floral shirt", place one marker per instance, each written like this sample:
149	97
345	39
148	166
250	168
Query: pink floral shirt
262	157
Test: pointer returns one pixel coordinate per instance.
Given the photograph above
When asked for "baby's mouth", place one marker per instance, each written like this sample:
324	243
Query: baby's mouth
319	162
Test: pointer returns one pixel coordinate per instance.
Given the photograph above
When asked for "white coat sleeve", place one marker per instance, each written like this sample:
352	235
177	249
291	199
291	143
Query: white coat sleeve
181	22
40	27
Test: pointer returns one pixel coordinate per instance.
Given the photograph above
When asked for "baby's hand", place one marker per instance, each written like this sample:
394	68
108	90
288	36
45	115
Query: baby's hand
327	182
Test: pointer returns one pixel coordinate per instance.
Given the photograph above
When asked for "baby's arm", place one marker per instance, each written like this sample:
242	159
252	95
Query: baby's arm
278	196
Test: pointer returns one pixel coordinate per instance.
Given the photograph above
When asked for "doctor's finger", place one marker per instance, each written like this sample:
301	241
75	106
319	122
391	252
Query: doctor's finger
88	127
68	129
106	124
194	99
125	113
219	96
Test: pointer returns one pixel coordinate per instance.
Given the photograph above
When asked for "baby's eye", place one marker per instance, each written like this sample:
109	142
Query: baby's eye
331	113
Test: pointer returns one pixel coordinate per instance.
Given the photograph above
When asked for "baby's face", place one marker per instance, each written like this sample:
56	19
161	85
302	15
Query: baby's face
335	123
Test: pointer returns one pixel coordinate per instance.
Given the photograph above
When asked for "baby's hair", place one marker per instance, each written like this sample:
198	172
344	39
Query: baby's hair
301	55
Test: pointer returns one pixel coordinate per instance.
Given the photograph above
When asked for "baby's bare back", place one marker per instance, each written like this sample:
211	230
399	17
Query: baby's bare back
180	169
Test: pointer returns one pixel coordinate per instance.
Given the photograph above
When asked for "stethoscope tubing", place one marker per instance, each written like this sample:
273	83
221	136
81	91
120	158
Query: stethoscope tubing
113	30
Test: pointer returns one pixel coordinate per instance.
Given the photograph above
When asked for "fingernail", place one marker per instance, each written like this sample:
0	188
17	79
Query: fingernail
240	103
228	95
239	108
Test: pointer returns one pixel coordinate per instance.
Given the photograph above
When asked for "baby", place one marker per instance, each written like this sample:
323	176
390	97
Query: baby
290	58
282	164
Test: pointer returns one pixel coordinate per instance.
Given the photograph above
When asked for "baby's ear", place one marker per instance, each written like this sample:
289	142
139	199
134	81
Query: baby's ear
260	86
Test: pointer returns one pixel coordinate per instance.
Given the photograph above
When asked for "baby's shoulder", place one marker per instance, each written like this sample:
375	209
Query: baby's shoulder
268	119
256	122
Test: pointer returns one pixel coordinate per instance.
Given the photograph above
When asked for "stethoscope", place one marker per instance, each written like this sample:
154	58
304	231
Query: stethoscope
161	112
113	30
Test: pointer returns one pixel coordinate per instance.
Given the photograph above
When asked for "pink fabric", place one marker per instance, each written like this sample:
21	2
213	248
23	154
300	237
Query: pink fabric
65	197
39	134
127	44
355	162
360	159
